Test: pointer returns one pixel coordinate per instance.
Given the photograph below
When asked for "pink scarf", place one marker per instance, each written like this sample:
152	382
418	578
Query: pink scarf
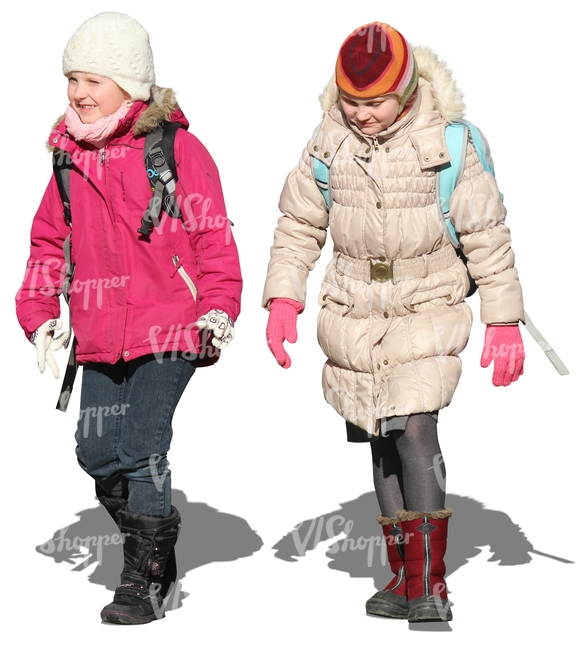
99	132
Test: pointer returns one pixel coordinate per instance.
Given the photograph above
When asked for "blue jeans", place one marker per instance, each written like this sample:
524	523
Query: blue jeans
125	427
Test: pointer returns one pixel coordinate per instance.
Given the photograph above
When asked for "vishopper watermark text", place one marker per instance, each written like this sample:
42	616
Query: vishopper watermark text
93	544
322	528
95	414
46	278
169	346
197	215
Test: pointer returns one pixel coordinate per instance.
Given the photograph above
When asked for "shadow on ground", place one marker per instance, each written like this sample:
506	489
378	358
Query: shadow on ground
207	536
361	551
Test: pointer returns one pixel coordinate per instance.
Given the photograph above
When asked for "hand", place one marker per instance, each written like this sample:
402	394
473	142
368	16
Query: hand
220	324
503	343
46	344
281	326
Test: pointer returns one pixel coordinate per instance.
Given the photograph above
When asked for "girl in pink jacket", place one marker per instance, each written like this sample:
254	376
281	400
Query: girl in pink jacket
393	318
151	298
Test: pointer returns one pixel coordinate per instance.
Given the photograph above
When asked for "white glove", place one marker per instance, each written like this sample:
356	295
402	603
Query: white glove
46	344
220	324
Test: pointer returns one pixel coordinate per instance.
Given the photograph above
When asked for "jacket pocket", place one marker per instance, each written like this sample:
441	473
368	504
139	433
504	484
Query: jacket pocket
184	275
335	298
429	298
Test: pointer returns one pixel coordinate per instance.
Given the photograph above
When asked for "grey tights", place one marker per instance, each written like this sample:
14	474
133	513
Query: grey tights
408	469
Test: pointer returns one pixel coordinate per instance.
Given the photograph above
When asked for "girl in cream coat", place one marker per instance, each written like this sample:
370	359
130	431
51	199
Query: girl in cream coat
393	317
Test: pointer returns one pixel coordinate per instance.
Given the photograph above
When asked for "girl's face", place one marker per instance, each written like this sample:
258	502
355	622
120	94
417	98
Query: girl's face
93	96
373	115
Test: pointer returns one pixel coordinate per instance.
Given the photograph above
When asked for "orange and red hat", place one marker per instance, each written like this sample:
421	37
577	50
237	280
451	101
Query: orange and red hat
376	60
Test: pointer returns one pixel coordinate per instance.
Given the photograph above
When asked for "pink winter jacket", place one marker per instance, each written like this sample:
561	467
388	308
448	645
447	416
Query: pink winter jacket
130	297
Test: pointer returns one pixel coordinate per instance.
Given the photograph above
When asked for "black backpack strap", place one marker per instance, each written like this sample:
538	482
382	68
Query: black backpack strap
62	166
161	169
68	379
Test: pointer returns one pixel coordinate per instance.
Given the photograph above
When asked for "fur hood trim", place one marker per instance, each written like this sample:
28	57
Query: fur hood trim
163	104
438	88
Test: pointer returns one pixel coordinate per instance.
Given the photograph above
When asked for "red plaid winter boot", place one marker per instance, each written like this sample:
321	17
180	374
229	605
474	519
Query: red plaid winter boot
392	600
425	541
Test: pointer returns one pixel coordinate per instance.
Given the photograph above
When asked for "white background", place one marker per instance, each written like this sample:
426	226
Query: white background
258	445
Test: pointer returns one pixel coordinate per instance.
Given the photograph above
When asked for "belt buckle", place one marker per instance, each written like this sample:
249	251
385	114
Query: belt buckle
381	271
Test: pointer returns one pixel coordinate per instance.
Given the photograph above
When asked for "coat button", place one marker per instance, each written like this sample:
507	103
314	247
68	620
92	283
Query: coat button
379	205
367	150
378	366
385	362
326	154
387	149
427	159
55	140
316	148
325	296
441	154
126	353
386	314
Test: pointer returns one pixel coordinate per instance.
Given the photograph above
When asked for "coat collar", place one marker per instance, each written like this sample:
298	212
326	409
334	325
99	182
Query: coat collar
424	129
141	119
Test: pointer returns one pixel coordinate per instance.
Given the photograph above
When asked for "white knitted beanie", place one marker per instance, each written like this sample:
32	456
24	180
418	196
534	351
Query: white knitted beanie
116	46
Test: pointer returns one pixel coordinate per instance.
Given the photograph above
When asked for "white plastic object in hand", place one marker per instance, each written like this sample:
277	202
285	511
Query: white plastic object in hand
46	343
220	324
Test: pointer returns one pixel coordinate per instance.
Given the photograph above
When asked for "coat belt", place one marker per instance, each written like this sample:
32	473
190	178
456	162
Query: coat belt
397	270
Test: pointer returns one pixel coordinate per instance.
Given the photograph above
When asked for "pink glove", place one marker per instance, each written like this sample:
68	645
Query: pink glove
281	326
503	344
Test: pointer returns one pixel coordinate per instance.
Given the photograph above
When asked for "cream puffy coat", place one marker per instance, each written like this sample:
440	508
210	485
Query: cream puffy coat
393	346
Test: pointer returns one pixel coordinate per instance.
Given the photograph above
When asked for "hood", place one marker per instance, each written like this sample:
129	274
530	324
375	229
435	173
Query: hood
439	91
163	107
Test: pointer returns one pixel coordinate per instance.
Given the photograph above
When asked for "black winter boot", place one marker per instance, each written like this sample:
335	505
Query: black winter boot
148	544
113	505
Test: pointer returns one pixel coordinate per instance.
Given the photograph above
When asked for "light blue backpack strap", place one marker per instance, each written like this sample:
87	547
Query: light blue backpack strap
321	174
456	139
482	148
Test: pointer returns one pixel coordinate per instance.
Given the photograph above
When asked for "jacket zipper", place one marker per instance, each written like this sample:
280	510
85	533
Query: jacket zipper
375	142
102	157
185	276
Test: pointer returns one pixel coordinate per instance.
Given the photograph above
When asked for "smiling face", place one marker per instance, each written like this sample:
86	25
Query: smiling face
93	96
372	115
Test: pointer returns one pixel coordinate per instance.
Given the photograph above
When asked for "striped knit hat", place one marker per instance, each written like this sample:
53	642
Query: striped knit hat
376	60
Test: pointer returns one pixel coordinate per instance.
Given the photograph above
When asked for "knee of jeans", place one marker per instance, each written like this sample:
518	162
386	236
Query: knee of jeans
102	473
153	468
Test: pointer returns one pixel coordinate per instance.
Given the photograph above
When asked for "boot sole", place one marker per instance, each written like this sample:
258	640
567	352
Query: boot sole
387	604
123	618
428	609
